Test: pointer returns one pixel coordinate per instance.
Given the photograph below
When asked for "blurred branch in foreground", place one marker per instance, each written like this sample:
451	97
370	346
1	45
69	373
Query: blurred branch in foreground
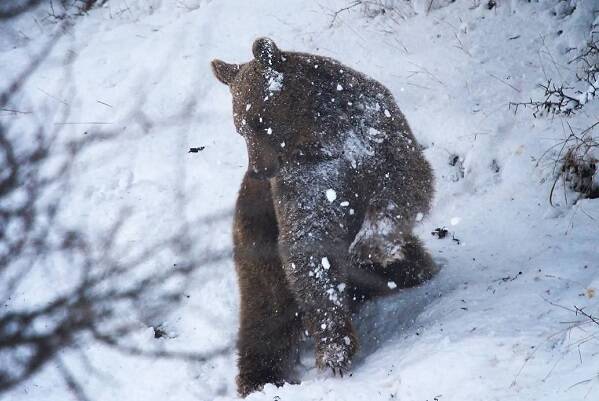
101	291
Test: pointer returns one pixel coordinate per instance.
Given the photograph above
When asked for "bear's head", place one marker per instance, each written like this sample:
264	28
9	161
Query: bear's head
271	105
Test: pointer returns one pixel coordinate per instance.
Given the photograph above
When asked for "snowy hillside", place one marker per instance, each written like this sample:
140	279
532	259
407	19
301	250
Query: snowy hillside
498	322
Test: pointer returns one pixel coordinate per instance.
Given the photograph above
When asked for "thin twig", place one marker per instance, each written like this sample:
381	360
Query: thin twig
336	14
503	82
82	123
105	104
15	111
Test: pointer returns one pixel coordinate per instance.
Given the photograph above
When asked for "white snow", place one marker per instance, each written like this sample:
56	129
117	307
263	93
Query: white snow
331	195
376	135
275	81
325	263
589	94
357	149
480	330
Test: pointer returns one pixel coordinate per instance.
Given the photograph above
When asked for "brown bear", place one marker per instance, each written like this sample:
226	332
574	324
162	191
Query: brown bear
323	221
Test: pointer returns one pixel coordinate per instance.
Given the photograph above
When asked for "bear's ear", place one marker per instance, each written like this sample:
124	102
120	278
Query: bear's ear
267	53
224	72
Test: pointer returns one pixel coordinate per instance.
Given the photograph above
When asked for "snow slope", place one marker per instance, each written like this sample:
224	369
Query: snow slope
488	327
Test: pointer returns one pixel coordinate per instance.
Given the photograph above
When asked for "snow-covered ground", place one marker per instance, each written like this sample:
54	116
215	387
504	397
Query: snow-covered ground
488	327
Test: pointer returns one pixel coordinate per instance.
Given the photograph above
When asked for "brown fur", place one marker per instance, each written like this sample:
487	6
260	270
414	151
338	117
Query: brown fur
270	323
313	125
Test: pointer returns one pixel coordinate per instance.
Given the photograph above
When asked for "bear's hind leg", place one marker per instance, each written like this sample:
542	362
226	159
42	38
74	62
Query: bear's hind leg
270	324
371	279
416	267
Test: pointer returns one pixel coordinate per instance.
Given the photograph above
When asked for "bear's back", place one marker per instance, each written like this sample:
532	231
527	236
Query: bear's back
352	113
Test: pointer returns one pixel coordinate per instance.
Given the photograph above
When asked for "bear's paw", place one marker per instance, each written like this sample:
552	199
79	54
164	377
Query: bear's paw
336	354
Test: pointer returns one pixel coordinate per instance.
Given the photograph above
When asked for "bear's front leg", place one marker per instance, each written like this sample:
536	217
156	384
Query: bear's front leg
270	323
315	262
